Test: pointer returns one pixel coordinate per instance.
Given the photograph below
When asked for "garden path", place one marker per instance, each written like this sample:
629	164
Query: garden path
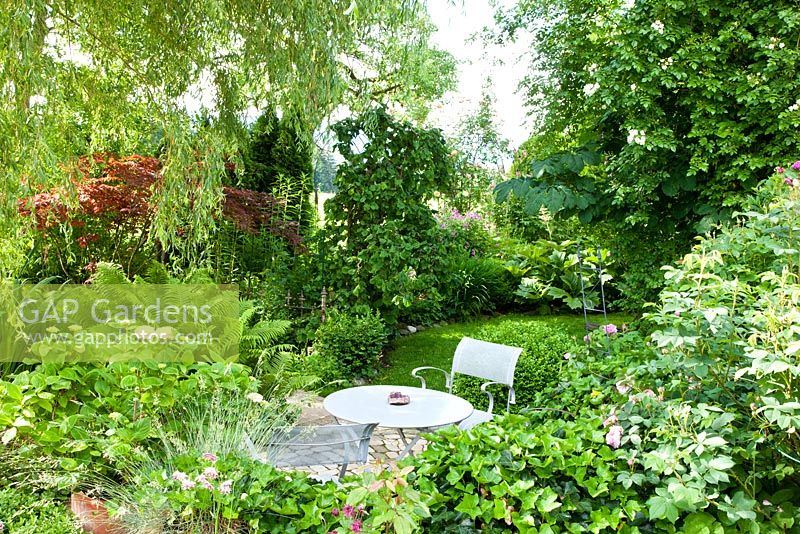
385	446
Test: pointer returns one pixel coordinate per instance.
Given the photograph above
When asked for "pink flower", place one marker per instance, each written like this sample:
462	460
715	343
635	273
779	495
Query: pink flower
796	165
787	181
614	436
623	388
586	338
348	511
649	393
187	484
203	481
335	512
610	329
210	456
610	420
631	461
356	526
210	473
226	487
676	313
780	170
567	355
179	475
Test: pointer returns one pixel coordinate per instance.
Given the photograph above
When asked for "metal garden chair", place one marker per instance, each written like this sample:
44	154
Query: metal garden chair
481	359
305	446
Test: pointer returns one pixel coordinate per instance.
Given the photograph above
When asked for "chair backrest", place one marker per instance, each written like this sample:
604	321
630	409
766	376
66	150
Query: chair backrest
304	446
490	361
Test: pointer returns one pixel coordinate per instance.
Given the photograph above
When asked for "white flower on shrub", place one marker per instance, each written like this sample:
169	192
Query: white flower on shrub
255	397
658	26
628	4
633	87
774	43
666	63
590	88
36	101
638	137
592	68
795	106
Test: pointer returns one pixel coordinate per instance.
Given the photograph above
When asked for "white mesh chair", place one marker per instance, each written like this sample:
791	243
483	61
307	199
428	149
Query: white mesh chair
305	446
481	359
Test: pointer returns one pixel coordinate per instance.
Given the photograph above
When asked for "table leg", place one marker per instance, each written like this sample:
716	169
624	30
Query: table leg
409	444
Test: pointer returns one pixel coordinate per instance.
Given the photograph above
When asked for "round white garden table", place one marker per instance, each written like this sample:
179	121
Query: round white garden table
429	409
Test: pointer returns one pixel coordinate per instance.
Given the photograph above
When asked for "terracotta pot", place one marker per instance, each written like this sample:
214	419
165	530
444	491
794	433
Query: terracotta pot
92	514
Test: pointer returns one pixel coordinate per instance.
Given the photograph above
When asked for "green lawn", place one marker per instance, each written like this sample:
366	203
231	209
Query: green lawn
435	346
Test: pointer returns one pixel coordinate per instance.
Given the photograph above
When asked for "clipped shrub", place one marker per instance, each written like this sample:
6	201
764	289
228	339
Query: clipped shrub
351	342
537	368
22	512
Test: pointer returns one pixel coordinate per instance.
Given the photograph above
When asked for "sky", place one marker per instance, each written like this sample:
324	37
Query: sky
457	23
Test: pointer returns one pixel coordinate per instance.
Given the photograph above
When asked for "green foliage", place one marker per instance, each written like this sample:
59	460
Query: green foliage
325	172
476	285
381	233
700	402
549	273
478	157
513	475
22	512
379	69
728	318
558	184
351	342
234	493
537	368
279	161
466	233
97	76
690	103
101	415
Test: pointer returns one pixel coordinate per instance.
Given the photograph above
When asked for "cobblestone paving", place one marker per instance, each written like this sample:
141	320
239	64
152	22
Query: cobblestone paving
385	447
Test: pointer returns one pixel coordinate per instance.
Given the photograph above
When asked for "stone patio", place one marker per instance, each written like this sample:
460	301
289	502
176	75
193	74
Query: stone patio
384	449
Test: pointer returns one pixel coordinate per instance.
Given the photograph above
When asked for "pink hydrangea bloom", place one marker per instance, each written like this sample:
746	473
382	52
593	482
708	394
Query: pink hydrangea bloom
210	473
623	388
203	481
610	420
614	437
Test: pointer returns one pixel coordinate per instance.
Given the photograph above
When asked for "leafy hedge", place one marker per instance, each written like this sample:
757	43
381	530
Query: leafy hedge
23	512
538	365
351	343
